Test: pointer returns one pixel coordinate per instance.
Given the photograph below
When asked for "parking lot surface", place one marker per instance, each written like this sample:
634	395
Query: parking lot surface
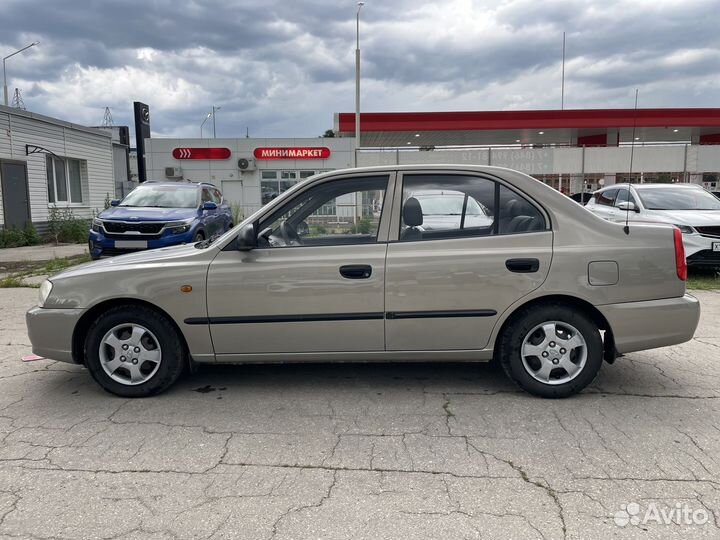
362	451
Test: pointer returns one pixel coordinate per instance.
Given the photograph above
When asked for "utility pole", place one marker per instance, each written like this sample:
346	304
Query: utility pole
214	130
562	84
357	79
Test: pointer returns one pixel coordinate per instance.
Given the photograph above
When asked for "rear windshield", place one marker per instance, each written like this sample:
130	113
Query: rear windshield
678	199
162	197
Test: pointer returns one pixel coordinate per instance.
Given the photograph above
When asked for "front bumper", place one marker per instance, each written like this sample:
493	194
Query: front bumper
637	326
99	244
51	332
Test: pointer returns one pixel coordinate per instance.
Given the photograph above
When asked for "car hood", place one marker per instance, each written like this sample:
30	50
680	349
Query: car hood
171	254
139	213
693	218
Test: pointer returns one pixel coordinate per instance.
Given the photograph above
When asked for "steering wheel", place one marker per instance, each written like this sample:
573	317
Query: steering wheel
289	234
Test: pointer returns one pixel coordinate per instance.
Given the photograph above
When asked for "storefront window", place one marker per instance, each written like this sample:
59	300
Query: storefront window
273	183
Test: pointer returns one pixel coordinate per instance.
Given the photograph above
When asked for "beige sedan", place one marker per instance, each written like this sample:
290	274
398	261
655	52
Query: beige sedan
340	268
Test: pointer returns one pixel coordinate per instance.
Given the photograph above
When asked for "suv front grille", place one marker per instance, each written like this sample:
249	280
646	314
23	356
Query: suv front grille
709	231
123	227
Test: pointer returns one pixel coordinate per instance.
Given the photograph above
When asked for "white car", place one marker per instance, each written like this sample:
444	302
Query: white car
689	207
443	209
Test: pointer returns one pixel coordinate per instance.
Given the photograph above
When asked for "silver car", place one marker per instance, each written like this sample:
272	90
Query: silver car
689	207
340	268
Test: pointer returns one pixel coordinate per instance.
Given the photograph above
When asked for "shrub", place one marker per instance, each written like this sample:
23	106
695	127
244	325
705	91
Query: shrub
64	226
11	237
31	235
364	226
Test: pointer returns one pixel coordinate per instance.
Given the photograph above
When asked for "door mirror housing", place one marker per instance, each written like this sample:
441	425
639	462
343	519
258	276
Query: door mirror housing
114	202
246	239
628	206
209	205
303	229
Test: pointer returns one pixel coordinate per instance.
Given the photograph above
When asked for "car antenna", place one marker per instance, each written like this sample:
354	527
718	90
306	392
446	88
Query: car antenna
632	152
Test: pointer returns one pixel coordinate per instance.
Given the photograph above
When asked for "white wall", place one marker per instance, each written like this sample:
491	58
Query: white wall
18	128
238	186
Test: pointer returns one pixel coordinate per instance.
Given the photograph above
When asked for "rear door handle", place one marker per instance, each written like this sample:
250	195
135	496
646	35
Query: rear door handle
356	271
522	266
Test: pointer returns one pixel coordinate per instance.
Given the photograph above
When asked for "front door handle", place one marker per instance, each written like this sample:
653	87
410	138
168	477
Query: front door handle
522	266
356	271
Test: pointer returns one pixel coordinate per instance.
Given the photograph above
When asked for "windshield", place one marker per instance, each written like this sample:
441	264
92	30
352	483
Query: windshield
449	206
678	199
162	197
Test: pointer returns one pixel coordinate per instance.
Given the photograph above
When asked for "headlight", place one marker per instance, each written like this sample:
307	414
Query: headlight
686	229
44	292
177	227
96	224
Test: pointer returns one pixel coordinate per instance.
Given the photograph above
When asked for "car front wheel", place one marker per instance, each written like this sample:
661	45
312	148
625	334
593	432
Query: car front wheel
552	351
134	351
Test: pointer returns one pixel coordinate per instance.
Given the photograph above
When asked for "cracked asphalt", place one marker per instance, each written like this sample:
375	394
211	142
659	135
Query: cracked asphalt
359	451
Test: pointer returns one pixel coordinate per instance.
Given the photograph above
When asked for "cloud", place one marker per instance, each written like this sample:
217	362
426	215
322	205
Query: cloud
283	68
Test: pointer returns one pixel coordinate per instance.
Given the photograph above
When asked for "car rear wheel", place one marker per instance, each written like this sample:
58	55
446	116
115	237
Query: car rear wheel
552	351
134	351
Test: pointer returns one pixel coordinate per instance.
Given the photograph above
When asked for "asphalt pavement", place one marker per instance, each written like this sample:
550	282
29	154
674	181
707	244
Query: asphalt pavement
362	451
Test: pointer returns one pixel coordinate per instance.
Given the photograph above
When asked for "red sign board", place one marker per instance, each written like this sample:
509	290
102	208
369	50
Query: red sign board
201	153
303	152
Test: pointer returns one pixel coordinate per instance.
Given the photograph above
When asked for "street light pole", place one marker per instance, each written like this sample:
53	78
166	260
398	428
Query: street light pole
357	79
203	123
5	88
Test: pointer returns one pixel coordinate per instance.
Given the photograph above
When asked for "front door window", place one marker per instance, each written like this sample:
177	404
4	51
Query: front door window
335	213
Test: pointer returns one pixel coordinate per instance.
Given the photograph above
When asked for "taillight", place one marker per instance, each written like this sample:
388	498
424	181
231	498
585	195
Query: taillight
680	262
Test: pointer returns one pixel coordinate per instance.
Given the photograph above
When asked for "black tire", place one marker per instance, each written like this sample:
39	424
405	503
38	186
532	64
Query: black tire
199	236
173	359
526	320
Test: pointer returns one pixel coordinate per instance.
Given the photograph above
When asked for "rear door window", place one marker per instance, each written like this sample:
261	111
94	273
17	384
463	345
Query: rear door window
607	197
442	206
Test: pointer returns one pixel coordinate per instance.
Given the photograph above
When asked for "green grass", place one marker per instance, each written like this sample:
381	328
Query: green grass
30	269
12	281
703	281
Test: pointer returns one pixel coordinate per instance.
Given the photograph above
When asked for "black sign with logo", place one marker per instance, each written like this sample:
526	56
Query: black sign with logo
142	132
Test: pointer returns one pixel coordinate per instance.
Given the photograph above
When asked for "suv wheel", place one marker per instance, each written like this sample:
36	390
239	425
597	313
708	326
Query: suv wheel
551	351
133	351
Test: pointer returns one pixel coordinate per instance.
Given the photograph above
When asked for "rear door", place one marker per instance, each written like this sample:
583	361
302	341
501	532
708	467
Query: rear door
447	286
316	281
604	203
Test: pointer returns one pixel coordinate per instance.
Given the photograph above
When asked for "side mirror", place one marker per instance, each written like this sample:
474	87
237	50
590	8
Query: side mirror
209	205
303	229
627	206
247	239
114	202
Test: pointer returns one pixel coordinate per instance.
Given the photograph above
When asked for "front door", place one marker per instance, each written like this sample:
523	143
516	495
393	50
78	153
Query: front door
316	281
467	248
16	202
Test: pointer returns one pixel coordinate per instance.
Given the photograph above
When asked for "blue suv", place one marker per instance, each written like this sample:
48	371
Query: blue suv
160	214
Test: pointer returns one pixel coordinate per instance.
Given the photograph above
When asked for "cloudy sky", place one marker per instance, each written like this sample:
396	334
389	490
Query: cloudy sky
282	68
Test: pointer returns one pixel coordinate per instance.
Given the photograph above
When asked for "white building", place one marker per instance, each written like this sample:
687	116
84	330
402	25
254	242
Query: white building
46	162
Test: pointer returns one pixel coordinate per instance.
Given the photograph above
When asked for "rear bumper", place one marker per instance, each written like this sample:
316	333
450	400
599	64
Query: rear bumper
51	332
637	326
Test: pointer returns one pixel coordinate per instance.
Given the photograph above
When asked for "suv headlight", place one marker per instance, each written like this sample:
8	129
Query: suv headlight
177	227
686	229
44	292
96	224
